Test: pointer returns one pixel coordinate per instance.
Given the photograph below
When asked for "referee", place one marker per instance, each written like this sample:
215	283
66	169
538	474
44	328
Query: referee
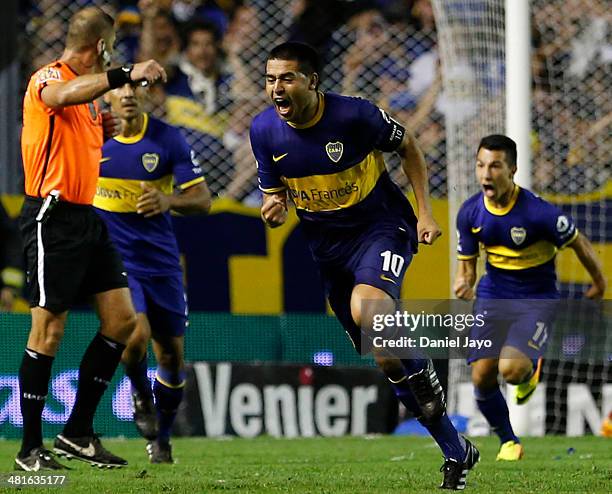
68	252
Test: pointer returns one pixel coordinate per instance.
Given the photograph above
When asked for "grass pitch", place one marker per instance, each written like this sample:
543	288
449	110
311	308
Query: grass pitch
335	465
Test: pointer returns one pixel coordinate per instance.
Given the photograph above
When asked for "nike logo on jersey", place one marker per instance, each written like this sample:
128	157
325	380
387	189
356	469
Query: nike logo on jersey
386	278
278	158
103	160
476	230
88	451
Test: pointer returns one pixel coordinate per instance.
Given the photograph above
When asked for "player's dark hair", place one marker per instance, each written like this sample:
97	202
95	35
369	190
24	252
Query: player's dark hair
305	55
499	142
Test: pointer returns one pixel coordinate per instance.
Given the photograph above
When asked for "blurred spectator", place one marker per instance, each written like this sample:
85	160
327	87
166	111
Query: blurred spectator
128	31
199	92
363	60
314	21
245	55
198	75
243	186
216	12
159	38
11	271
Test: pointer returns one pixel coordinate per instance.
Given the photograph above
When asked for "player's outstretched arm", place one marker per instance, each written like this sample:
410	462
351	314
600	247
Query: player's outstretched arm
193	200
415	168
465	279
588	258
274	208
88	87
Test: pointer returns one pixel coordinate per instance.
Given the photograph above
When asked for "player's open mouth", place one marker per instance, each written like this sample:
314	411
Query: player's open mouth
283	106
488	190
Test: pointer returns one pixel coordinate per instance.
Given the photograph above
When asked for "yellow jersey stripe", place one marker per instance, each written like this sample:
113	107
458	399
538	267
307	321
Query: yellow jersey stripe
335	191
119	195
536	254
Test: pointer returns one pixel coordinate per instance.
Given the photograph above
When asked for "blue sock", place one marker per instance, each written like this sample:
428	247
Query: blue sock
168	391
139	379
493	406
442	430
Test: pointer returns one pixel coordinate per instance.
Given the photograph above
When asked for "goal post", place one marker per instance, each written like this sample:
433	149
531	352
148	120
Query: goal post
518	84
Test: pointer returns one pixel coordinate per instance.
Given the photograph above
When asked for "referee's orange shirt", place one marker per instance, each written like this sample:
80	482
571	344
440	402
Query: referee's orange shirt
61	148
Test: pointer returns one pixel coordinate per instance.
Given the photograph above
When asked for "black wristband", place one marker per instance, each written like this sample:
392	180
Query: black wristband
119	76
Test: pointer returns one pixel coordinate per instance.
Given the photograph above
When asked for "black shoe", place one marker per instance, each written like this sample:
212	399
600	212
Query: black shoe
145	416
38	459
159	452
87	449
456	472
428	393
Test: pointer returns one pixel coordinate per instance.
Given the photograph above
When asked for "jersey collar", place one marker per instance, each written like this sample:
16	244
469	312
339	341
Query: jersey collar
506	209
314	120
137	137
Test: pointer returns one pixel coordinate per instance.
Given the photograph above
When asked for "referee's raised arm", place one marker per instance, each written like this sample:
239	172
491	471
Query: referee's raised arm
88	87
88	53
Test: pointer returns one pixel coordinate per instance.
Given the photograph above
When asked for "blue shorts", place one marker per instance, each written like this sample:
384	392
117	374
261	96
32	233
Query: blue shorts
379	258
523	324
163	300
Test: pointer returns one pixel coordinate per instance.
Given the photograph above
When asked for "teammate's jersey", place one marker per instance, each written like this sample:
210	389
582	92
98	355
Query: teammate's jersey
61	147
159	156
521	241
332	168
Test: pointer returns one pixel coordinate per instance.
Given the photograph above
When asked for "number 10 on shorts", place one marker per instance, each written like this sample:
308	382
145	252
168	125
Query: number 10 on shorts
392	262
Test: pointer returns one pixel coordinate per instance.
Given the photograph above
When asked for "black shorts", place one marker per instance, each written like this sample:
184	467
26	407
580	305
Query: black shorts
69	256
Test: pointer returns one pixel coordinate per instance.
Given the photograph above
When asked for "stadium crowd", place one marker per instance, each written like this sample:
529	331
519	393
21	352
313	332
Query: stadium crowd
384	50
214	50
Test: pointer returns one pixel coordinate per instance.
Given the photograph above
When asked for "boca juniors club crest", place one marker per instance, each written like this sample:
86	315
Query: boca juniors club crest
334	151
518	234
150	161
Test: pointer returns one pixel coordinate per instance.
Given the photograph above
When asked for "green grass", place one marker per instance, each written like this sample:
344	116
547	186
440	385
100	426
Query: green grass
337	465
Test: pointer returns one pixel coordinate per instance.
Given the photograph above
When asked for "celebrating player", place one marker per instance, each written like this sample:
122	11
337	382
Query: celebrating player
325	150
135	197
521	234
68	252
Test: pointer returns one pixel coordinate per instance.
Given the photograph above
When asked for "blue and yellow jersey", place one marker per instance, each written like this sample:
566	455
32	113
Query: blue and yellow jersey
520	240
159	156
332	166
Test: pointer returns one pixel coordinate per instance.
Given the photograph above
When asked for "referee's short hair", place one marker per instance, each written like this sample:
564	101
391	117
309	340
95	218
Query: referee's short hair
499	142
87	26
